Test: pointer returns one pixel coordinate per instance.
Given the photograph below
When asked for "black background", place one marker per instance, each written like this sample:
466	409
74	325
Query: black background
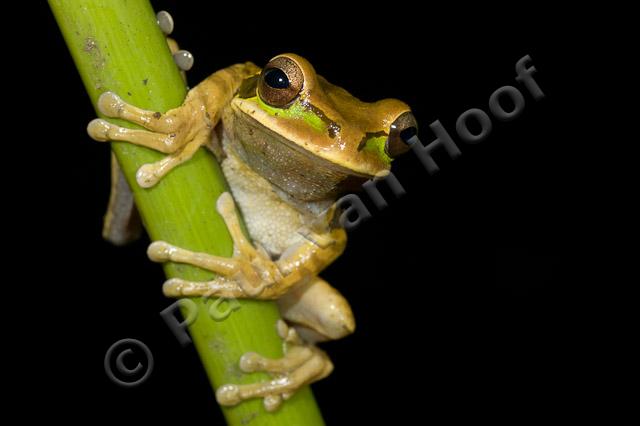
474	295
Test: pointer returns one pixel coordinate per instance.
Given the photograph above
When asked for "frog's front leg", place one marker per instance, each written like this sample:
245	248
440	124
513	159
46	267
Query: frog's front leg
250	272
178	132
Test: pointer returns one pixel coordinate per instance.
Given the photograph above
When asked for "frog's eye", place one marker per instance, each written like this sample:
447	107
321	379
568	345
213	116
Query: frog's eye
281	81
402	130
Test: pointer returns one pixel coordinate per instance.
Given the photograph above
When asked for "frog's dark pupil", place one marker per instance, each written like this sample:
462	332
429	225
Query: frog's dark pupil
276	78
408	133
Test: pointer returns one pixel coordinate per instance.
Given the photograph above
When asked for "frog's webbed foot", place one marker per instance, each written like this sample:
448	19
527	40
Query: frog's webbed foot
179	132
182	58
250	272
301	365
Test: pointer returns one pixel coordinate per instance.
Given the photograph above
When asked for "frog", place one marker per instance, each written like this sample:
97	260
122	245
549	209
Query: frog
289	144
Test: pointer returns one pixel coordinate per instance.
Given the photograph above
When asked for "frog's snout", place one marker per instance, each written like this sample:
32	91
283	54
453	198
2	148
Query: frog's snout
401	134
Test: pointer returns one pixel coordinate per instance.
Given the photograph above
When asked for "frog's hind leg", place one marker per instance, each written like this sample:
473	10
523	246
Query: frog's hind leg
122	223
318	311
301	365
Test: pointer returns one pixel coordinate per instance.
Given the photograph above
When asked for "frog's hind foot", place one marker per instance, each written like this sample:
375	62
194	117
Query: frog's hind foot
182	58
301	365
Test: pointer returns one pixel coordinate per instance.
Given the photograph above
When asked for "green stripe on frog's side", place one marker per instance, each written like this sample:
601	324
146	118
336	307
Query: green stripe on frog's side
298	110
375	143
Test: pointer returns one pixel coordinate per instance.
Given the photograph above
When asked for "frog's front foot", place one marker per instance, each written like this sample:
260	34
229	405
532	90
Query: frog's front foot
179	132
301	365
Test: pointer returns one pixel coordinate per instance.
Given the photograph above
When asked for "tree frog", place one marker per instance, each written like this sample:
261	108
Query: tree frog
289	143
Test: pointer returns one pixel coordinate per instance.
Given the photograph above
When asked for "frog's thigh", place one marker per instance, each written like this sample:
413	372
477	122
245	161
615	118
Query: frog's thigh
317	310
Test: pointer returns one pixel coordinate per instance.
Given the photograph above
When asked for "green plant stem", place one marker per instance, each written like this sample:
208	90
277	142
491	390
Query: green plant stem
117	46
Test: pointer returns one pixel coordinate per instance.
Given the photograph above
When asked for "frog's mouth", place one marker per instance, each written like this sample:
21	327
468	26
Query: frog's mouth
297	171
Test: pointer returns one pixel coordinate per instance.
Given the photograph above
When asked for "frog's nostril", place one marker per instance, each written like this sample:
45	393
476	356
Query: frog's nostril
402	130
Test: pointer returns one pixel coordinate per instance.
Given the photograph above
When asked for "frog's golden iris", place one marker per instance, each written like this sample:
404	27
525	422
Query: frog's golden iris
280	82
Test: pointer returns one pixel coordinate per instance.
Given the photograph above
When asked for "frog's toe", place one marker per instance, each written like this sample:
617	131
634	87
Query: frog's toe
160	251
147	175
165	22
184	59
110	104
98	129
228	395
250	362
272	402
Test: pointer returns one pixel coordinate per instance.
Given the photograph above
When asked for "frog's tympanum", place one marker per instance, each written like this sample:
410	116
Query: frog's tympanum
289	143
